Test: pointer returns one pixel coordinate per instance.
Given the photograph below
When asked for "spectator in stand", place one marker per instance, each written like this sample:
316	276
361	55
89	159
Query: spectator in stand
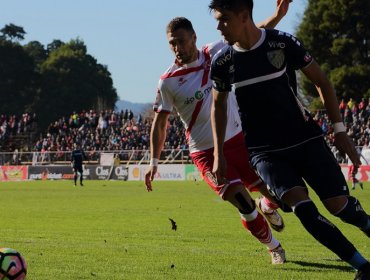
342	107
362	104
135	132
117	131
350	103
348	118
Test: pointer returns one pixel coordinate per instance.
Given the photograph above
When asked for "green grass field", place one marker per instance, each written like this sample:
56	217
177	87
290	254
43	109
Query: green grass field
116	230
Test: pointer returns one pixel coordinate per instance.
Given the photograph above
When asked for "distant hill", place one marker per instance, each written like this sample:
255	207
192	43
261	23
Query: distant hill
136	108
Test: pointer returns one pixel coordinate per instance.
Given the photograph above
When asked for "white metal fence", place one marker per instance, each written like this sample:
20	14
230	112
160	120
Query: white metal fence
124	156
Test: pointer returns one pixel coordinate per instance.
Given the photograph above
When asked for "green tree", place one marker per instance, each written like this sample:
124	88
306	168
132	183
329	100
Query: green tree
12	32
56	44
37	51
72	80
17	78
337	34
52	82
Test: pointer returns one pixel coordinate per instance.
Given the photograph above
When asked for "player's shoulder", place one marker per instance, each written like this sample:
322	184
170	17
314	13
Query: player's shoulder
214	47
223	56
169	71
281	36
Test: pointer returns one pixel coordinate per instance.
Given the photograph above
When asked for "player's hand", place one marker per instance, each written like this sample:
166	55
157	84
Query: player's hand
149	177
346	145
282	7
219	168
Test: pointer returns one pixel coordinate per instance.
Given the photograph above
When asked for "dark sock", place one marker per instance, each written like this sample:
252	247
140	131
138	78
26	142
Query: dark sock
324	231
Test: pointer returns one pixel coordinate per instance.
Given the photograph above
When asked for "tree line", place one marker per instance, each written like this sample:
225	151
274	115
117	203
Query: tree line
50	80
337	34
62	77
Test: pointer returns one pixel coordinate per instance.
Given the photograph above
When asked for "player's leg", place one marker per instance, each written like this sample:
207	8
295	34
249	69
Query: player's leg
75	175
81	179
352	176
322	229
253	221
350	212
237	160
324	175
282	173
269	209
80	171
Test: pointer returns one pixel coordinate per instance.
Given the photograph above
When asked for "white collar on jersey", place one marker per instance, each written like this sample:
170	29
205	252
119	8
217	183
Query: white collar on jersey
256	45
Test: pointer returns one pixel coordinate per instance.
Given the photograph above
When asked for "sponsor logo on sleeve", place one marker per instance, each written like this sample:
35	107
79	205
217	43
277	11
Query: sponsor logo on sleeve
307	57
223	59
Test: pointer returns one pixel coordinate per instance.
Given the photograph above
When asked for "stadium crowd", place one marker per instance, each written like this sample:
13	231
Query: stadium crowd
106	131
13	124
111	130
356	117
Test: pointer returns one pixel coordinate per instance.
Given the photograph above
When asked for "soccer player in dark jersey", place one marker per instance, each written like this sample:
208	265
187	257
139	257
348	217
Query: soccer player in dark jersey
77	158
286	145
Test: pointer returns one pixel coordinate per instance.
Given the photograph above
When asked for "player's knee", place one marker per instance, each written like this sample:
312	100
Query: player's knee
307	213
353	213
245	207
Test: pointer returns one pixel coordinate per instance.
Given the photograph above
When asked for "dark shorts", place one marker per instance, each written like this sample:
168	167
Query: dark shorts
77	168
311	162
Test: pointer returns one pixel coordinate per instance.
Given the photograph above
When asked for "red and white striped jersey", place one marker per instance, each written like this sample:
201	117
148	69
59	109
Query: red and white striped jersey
188	89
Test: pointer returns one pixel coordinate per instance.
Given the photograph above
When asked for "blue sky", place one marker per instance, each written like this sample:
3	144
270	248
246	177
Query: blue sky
127	36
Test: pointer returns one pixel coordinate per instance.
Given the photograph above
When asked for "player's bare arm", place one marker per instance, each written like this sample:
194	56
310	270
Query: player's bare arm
219	121
329	99
157	138
282	7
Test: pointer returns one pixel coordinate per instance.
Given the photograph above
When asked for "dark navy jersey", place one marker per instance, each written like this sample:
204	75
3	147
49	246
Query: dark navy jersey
77	157
265	86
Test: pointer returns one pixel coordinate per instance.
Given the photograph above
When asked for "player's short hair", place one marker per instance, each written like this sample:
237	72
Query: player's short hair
179	22
231	5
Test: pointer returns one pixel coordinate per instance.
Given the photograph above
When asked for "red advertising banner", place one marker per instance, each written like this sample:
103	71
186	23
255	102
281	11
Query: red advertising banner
13	173
363	173
98	172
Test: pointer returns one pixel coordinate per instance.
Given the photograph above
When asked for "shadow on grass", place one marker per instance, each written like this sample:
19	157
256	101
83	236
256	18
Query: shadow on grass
323	266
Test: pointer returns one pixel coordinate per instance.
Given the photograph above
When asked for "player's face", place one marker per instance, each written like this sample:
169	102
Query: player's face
183	45
229	24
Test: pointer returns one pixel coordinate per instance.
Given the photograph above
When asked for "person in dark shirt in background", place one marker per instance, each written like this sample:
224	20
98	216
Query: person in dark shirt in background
77	158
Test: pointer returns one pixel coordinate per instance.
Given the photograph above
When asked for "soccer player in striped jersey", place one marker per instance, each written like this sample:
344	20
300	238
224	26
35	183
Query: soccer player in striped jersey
286	145
186	87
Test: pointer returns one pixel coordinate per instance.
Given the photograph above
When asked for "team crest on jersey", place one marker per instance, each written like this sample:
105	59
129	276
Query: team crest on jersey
231	69
181	81
276	58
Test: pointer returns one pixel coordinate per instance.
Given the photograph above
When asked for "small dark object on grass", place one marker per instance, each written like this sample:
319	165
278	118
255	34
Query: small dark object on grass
173	224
